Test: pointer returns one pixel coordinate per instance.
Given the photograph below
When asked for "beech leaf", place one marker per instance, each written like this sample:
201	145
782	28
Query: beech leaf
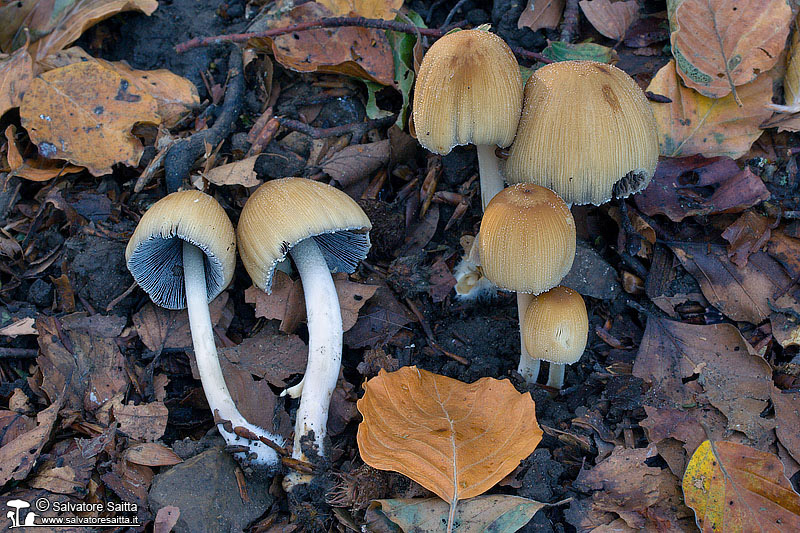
16	73
446	435
610	19
734	488
540	14
720	44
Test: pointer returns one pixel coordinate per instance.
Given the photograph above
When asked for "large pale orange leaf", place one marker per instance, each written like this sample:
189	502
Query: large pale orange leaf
736	488
16	73
610	19
84	113
721	44
694	124
455	439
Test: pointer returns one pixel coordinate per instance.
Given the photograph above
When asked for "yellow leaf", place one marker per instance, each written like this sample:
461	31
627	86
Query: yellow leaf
16	73
39	169
371	9
736	488
446	435
694	124
84	113
610	19
722	44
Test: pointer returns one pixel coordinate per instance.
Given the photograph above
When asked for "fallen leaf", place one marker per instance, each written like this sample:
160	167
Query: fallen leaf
540	14
683	187
787	420
145	422
690	365
498	513
402	45
23	326
39	169
151	454
356	162
18	456
371	9
611	19
445	434
274	358
732	488
382	318
166	518
746	236
84	113
237	173
160	328
719	45
694	124
352	297
67	470
129	481
16	74
441	281
562	51
53	25
787	116
647	31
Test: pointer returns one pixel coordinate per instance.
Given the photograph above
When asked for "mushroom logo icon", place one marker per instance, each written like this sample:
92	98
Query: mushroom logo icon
17	505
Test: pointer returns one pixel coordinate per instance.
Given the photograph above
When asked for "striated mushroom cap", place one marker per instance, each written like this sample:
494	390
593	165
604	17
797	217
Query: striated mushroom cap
556	326
527	239
155	251
283	212
587	132
468	91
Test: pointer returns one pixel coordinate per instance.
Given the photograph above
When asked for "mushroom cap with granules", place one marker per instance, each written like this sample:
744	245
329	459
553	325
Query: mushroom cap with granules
556	326
527	239
155	251
587	132
283	212
468	91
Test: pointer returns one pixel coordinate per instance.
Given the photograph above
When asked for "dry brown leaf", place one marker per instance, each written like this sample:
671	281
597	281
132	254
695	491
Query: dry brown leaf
18	456
540	14
371	9
152	454
23	326
39	169
694	124
161	328
274	358
735	488
237	173
787	420
719	44
146	422
611	19
746	236
445	434
53	25
84	113
356	162
16	74
67	469
166	518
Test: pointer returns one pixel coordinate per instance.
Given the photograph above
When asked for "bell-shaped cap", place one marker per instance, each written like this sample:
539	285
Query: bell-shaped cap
468	91
155	251
587	132
283	212
527	239
555	327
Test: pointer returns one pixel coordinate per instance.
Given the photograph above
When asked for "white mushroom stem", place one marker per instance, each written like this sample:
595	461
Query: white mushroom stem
489	169
217	394
556	376
324	352
528	366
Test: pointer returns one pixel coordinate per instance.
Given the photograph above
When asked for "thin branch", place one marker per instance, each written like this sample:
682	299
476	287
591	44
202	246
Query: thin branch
358	129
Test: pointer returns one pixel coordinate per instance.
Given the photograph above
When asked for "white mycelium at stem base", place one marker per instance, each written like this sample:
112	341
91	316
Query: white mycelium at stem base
217	394
324	350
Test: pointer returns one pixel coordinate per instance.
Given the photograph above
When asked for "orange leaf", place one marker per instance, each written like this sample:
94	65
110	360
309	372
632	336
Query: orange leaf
694	124
721	44
84	113
16	73
39	169
444	434
734	488
371	9
540	14
610	19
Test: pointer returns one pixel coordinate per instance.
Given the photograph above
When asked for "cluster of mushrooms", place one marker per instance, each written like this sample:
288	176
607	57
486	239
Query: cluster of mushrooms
585	131
581	132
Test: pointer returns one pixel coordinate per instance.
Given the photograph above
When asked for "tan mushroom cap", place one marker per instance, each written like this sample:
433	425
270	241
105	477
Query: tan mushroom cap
283	212
587	132
527	239
155	251
556	326
468	91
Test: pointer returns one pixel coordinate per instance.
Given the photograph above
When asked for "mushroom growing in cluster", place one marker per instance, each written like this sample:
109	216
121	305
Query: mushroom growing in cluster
182	255
324	230
526	244
555	329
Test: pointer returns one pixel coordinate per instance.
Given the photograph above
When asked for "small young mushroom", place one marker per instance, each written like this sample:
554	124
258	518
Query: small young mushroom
555	329
324	230
182	255
587	132
469	91
526	244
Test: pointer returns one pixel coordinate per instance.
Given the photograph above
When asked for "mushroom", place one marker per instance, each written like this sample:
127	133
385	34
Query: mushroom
182	255
555	329
526	244
587	132
469	91
324	230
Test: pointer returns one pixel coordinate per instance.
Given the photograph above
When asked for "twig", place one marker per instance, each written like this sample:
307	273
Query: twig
569	28
328	22
453	11
426	328
358	129
182	155
20	353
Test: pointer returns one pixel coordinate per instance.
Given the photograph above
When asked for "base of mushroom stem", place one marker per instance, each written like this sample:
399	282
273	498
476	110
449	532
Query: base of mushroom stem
295	479
258	454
